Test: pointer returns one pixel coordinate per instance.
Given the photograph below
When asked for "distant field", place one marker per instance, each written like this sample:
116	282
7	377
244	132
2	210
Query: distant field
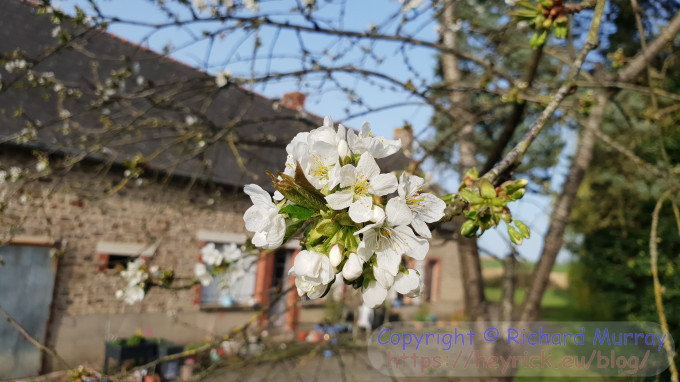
552	298
491	264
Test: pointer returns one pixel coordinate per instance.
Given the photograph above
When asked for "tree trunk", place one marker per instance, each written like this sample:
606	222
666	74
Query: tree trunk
560	215
475	304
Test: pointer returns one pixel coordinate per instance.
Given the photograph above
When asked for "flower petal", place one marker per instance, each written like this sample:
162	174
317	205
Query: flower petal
413	246
260	239
369	168
389	260
361	210
352	268
421	228
347	175
307	264
340	199
407	283
398	212
276	232
383	277
383	184
258	195
374	294
367	245
256	218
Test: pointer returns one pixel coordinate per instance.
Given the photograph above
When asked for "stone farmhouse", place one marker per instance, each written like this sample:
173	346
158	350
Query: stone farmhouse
66	237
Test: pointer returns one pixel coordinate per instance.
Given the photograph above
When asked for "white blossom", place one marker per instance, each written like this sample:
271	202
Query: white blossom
353	267
365	142
201	273
407	5
313	272
41	166
374	294
190	120
252	5
425	207
391	238
359	184
199	5
131	294
232	252
222	78
211	255
335	255
14	173
264	219
12	65
409	284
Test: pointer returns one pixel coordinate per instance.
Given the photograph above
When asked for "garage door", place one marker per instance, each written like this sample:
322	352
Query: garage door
26	282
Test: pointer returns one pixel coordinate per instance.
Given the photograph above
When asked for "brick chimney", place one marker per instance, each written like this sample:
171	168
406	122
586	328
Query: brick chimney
294	100
406	135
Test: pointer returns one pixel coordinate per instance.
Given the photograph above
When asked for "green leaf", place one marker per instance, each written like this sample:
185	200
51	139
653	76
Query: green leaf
522	228
297	212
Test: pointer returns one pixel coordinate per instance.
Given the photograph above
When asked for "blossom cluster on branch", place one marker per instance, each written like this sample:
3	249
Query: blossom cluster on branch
137	276
356	222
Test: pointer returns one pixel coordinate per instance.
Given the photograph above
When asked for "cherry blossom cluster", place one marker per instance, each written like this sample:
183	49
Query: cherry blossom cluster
228	262
356	222
136	276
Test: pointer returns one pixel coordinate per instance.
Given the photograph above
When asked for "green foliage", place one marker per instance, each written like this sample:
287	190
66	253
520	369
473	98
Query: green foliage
297	212
487	205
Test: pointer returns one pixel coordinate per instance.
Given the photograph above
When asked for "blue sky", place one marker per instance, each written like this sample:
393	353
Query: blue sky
234	51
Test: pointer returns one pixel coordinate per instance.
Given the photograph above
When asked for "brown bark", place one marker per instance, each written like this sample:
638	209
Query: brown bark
559	218
467	248
560	215
508	286
638	63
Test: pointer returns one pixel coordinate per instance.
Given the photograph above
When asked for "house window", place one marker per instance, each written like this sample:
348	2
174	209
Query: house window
117	261
235	287
115	256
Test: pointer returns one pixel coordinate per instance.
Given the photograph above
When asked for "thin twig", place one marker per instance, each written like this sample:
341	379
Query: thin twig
654	255
32	340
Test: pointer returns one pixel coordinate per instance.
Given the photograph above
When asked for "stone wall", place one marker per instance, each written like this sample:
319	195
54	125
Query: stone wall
78	210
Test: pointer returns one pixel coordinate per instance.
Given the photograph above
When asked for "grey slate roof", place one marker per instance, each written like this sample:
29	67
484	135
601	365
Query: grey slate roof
260	132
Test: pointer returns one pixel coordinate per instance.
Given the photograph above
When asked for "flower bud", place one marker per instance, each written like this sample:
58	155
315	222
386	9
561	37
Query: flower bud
335	255
343	150
515	236
469	228
523	229
353	267
487	190
518	194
